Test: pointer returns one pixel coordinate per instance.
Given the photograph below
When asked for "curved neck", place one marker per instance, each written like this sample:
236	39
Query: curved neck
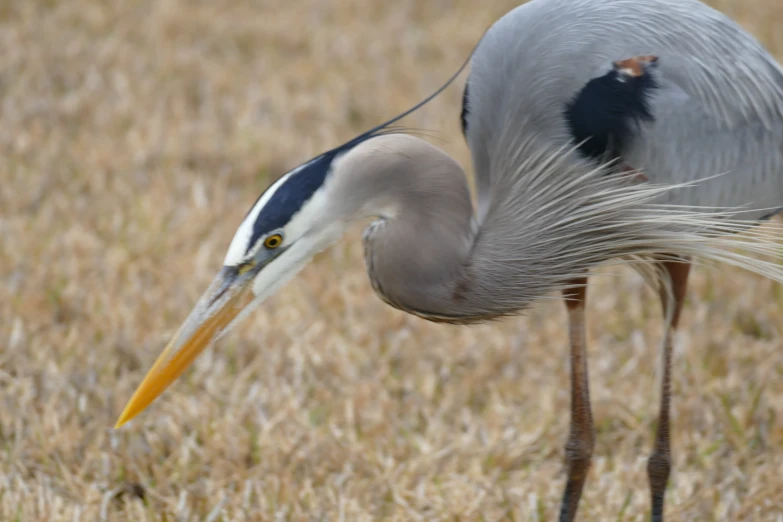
418	251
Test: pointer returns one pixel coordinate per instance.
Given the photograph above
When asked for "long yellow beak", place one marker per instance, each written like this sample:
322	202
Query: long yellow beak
203	325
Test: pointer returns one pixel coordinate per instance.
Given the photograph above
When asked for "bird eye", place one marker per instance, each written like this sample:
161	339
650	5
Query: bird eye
273	241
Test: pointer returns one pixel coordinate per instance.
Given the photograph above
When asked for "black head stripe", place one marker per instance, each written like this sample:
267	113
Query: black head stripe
291	195
300	187
297	190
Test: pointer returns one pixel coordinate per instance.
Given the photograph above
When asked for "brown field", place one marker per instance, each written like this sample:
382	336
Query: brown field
133	138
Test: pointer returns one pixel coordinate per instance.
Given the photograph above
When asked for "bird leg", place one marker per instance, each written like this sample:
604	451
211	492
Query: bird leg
581	437
659	464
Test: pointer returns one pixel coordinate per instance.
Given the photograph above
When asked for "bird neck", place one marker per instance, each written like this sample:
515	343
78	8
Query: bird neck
418	249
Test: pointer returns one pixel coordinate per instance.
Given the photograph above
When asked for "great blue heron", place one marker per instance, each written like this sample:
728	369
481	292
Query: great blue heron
589	122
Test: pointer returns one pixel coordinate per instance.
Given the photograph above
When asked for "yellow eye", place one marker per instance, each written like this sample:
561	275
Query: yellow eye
273	241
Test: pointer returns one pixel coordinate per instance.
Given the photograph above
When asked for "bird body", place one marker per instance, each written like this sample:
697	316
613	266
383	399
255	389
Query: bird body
649	131
718	109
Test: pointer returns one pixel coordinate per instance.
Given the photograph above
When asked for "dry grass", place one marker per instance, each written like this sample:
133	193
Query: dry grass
134	136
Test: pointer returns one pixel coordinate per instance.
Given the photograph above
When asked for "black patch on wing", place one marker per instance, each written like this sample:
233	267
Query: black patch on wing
464	114
605	113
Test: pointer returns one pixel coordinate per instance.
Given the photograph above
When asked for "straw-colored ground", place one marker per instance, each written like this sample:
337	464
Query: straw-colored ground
134	136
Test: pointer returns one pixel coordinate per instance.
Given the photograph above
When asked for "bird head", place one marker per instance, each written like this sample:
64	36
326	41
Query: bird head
294	219
288	224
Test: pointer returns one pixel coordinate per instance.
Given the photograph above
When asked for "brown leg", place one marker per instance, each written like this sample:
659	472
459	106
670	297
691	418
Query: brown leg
659	464
581	437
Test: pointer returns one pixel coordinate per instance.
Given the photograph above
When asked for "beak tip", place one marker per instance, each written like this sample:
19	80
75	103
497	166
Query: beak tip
124	417
177	356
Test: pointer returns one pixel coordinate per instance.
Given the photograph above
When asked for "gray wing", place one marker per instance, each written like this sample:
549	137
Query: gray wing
719	109
730	142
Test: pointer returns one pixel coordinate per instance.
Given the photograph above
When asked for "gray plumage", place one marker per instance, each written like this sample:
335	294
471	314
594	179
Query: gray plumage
719	109
544	212
682	117
556	217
